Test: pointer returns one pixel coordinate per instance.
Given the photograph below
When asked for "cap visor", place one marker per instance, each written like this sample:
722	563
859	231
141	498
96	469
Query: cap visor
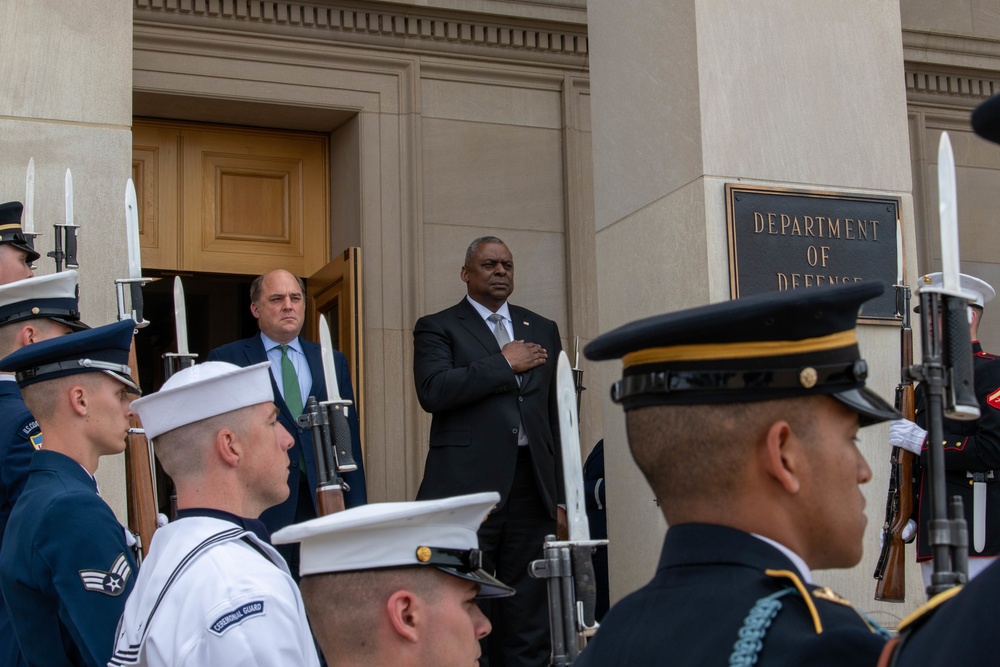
872	407
75	325
32	253
125	380
489	586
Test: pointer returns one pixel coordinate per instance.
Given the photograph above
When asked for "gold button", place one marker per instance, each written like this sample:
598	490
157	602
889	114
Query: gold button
807	377
423	554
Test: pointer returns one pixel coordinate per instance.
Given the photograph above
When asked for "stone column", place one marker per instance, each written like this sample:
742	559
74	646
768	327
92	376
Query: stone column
692	94
67	102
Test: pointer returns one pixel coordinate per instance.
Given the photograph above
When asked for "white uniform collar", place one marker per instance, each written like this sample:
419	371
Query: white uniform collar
797	561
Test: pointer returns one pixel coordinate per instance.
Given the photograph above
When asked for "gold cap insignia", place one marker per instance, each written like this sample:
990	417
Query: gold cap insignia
423	554
807	377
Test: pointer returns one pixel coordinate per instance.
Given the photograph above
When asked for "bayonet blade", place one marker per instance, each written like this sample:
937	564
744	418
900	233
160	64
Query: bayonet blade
69	198
569	434
329	371
28	225
180	317
134	260
132	231
948	216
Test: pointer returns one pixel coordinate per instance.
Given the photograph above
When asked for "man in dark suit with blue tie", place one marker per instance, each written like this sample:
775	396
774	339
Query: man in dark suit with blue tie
277	300
486	370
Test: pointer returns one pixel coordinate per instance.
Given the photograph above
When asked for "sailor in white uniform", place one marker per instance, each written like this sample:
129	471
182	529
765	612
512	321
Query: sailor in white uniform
212	590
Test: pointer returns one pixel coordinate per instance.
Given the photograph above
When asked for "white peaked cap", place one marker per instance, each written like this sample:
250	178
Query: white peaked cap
981	289
438	533
202	391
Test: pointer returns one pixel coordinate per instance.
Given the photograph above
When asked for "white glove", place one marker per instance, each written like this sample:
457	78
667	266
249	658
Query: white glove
904	433
909	532
161	520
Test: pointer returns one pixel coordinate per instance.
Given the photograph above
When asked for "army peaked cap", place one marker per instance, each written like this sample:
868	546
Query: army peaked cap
10	229
769	346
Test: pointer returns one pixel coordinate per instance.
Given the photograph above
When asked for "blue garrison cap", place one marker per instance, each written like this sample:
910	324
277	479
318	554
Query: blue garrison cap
10	229
791	344
104	349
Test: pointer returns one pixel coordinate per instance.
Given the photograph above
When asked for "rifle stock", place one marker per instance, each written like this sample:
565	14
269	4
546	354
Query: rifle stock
139	485
891	568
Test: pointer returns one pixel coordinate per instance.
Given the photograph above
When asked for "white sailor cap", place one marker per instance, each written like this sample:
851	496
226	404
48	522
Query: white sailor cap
436	533
202	391
982	290
52	297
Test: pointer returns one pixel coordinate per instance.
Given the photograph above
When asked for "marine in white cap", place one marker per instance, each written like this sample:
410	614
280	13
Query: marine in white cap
212	590
397	583
31	311
971	448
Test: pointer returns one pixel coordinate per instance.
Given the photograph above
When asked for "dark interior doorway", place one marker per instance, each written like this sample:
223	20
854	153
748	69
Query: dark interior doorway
218	312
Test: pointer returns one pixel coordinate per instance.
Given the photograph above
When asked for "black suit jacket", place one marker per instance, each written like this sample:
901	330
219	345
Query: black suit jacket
466	383
250	351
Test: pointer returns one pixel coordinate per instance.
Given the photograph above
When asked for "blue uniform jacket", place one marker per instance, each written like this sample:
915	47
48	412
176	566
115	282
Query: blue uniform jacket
65	568
18	429
250	351
708	580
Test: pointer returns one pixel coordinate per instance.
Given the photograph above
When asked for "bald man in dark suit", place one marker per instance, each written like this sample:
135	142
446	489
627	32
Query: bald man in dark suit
485	369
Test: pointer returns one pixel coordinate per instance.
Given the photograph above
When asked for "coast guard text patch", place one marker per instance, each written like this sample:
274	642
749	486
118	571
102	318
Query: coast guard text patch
237	616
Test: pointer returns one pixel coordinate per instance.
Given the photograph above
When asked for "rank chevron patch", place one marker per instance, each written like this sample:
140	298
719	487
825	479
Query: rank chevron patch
993	399
110	583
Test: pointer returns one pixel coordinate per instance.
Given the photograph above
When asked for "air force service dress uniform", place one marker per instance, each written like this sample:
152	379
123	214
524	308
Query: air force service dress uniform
52	297
210	591
65	566
721	596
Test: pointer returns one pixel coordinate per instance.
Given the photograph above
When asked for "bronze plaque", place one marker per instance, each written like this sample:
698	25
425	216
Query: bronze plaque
788	239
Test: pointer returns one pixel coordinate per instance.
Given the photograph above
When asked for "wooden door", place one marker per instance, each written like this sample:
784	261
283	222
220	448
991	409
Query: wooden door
335	291
231	200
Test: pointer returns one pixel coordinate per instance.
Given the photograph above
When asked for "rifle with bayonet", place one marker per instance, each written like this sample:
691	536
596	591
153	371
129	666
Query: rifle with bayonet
567	565
140	475
183	357
946	382
891	568
331	433
65	234
28	225
577	375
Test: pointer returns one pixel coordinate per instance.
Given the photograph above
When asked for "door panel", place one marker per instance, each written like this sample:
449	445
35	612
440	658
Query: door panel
232	200
335	291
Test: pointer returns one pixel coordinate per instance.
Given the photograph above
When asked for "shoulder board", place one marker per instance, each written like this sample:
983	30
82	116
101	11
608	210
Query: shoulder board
828	594
986	355
792	577
926	610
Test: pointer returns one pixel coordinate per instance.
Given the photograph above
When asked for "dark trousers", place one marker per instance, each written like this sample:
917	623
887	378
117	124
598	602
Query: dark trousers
512	537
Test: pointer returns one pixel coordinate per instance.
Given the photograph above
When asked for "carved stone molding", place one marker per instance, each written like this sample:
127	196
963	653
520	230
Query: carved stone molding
950	70
950	88
380	26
